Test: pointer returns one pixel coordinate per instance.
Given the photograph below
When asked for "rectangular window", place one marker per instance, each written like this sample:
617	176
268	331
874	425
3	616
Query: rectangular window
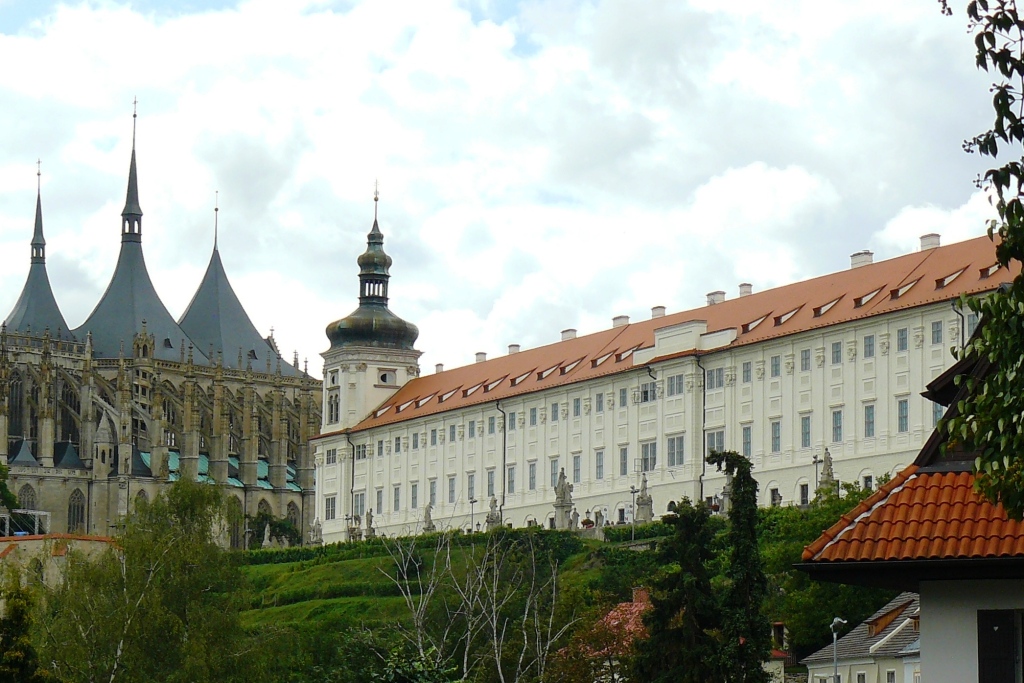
890	676
359	504
805	431
471	485
837	353
648	456
869	482
332	455
775	366
414	495
648	392
533	417
869	421
776	436
451	433
492	424
775	497
837	426
490	483
577	408
554	412
472	429
972	323
415	440
623	461
511	424
716	440
675	451
804	494
902	340
380	447
599	464
433	492
622	398
451	490
676	385
511	479
599	403
398	445
532	472
869	346
554	472
862	677
577	465
433	437
330	507
397	502
903	415
937	332
937	410
715	379
746	441
805	360
380	501
746	368
361	452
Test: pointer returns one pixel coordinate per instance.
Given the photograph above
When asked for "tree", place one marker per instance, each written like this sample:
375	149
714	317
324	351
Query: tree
19	662
991	417
747	637
685	622
163	604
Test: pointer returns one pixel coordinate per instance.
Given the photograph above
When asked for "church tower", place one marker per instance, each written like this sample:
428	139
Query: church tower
371	355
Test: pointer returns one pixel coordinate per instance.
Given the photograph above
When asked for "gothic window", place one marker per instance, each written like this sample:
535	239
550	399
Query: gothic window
69	411
333	408
264	508
76	512
27	497
293	515
141	498
16	406
235	522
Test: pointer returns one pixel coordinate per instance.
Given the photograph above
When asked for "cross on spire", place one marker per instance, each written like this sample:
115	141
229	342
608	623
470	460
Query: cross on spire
135	116
39	175
216	211
376	198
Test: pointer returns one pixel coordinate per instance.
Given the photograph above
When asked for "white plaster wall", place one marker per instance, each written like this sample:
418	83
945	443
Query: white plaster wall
848	385
949	624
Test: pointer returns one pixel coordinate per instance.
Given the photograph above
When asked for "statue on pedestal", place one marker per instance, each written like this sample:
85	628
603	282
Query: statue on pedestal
827	481
428	522
266	536
370	531
493	519
316	536
644	503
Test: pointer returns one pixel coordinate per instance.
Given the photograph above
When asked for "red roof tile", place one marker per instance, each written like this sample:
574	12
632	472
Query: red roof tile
921	516
610	351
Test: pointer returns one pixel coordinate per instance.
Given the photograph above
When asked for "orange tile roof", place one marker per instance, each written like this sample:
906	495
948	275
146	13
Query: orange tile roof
904	282
921	515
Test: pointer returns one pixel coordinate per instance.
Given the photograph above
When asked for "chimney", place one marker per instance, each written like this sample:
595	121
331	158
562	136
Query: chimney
658	312
513	348
861	258
481	356
930	241
568	334
746	289
620	321
716	297
439	368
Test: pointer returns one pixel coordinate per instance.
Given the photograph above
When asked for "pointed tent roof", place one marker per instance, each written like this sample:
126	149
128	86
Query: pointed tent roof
216	319
131	298
36	309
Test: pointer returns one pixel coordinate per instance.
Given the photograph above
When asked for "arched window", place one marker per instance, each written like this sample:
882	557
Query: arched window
15	406
293	515
142	498
27	497
235	523
264	508
76	512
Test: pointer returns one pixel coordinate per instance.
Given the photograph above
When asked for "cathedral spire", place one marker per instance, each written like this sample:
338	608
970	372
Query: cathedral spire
131	216
38	242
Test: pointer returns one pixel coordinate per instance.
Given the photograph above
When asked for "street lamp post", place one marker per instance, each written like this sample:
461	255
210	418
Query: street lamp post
472	503
836	623
632	513
817	461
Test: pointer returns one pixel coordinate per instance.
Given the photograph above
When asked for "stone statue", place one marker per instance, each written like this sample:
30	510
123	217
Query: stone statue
574	522
428	522
266	537
563	490
598	519
493	517
316	536
827	481
370	531
644	503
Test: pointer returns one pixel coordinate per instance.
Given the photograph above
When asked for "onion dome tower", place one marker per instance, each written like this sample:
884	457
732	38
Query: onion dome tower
36	309
371	348
215	319
131	300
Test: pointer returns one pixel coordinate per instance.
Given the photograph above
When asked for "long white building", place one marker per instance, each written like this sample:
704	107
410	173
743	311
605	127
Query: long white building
837	362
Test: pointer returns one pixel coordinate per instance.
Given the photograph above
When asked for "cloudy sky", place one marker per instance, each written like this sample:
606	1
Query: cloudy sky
543	164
